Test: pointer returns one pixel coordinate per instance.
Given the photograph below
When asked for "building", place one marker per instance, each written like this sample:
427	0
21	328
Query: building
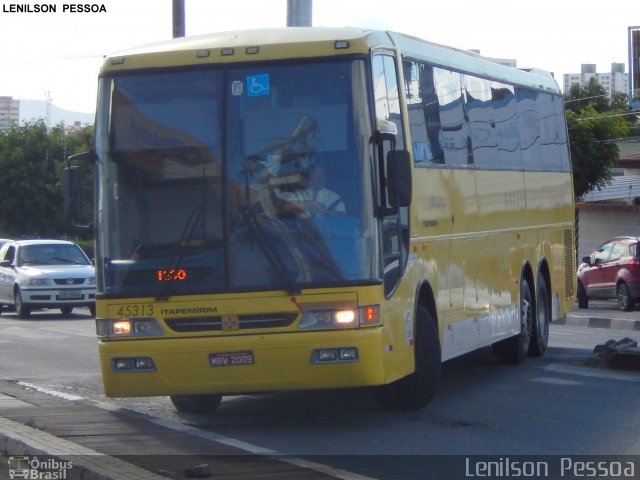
613	210
615	81
9	112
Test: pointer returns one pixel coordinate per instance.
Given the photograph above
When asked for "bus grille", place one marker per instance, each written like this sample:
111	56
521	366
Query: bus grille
206	324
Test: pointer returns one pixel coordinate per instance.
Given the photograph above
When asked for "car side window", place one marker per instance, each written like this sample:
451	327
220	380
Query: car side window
617	251
9	254
602	254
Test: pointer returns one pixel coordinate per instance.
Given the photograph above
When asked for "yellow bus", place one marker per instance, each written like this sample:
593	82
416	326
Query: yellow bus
316	208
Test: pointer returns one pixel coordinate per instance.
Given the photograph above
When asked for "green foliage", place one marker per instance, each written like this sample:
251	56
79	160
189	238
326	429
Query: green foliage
31	159
594	121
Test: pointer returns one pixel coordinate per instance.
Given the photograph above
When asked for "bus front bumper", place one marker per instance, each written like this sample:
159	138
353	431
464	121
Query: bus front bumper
243	363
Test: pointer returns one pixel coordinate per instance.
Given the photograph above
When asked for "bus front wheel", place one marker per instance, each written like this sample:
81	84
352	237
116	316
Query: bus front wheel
417	389
196	403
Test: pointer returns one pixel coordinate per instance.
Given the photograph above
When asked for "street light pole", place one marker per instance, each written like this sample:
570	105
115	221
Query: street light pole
299	13
178	18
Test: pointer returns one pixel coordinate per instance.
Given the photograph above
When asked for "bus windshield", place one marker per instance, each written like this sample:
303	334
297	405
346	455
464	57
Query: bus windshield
236	179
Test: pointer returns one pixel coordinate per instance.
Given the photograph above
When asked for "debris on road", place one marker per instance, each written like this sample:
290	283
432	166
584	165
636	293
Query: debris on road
623	354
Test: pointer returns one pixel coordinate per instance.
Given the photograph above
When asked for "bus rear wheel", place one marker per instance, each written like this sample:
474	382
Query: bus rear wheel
540	337
417	389
515	349
196	403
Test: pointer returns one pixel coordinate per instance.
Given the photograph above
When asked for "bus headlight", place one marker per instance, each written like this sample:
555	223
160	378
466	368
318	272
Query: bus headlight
128	327
341	317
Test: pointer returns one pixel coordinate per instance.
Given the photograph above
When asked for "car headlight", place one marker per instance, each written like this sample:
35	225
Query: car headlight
38	282
91	280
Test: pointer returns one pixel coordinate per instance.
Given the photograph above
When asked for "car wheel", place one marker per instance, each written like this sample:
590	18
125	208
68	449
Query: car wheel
624	297
66	310
22	310
417	389
583	300
515	349
540	337
92	310
196	403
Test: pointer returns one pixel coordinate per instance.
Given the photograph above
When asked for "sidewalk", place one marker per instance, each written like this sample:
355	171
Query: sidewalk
81	440
603	314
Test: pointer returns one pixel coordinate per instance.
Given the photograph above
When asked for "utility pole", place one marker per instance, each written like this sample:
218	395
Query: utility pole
178	18
299	13
48	101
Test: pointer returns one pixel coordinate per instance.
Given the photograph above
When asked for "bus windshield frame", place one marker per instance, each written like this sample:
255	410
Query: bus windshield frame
199	170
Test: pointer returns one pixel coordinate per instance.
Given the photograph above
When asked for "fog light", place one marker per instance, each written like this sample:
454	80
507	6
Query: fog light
120	364
128	364
334	355
145	363
327	355
348	354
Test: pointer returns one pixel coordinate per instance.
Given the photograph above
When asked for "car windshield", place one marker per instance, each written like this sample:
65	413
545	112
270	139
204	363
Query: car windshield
237	179
51	254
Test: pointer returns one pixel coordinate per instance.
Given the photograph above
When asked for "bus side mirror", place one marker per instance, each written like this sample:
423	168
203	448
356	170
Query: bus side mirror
399	178
72	192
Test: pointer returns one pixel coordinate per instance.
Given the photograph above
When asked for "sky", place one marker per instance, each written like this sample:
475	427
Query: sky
61	53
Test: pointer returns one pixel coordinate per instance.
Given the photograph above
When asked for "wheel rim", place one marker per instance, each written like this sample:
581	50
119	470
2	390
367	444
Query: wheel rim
18	301
623	296
542	321
526	318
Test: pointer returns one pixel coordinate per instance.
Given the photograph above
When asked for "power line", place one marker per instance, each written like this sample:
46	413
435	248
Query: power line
586	98
635	112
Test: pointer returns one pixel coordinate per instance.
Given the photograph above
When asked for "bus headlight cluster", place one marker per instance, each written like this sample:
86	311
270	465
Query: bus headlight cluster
128	327
341	317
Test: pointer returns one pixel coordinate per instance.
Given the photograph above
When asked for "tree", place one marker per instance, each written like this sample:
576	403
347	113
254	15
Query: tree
30	195
593	124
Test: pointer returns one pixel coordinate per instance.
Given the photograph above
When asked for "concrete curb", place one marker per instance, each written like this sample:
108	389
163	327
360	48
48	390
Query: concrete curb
599	322
85	464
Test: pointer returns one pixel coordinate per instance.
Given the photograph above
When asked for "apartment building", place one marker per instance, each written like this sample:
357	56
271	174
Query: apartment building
613	81
9	112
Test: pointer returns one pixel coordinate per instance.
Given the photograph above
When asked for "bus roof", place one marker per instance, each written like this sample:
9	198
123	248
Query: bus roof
307	42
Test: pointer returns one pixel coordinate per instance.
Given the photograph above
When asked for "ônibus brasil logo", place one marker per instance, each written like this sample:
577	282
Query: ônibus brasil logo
34	468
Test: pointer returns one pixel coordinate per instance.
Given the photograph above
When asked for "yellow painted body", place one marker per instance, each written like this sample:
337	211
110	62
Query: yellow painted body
471	234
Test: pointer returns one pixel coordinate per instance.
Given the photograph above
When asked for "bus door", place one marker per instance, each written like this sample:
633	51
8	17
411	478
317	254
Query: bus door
395	219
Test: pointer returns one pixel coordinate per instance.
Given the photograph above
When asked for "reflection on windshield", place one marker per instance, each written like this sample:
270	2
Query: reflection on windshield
286	204
32	255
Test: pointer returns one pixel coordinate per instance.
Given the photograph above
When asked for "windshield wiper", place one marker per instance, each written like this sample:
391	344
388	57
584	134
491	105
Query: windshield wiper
270	252
67	260
264	241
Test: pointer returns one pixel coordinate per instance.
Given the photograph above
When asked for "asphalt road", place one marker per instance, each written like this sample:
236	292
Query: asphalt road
556	405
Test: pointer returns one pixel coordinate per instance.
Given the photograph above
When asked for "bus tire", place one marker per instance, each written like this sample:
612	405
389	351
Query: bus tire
196	403
515	349
418	388
540	334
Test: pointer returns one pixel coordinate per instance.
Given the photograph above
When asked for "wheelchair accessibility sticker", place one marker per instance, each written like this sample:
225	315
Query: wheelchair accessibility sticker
258	85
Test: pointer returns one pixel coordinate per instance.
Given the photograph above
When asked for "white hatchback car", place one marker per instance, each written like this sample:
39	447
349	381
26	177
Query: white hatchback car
46	274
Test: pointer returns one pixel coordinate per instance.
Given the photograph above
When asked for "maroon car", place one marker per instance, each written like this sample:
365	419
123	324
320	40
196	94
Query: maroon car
612	271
